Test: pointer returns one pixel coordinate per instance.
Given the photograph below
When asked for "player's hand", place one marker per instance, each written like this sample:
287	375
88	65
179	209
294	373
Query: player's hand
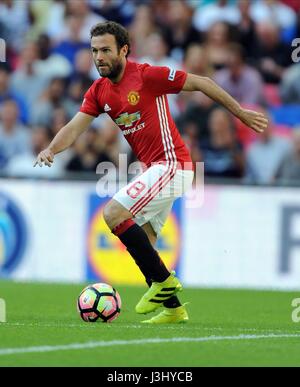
255	120
45	157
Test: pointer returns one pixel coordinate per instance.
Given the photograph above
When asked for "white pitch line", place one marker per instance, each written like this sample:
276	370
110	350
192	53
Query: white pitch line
182	327
97	344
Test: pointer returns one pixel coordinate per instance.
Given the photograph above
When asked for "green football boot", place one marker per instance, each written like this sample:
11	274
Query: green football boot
170	316
158	293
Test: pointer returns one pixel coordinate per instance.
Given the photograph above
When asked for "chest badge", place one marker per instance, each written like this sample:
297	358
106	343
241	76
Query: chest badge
133	97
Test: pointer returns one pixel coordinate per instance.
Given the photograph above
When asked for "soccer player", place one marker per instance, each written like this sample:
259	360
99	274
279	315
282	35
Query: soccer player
134	96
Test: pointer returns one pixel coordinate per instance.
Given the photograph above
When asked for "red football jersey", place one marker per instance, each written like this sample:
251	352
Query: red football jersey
139	106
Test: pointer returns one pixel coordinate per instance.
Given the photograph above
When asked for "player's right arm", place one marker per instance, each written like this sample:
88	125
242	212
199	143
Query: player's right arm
64	138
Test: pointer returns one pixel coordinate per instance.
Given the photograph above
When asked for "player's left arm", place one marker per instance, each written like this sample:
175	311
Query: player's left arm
255	120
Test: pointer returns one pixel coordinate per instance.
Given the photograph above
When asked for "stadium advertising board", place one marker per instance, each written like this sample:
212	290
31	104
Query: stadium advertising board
240	237
246	237
13	235
54	214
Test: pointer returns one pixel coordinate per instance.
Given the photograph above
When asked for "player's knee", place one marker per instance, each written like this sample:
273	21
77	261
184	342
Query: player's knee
109	213
114	214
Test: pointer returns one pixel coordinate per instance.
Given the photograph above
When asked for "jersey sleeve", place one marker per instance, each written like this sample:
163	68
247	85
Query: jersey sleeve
164	80
90	104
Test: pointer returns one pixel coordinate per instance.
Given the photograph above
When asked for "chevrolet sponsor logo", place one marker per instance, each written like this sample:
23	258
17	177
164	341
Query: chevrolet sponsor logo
127	119
133	130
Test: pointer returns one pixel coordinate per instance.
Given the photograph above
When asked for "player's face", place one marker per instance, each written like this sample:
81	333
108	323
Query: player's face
108	60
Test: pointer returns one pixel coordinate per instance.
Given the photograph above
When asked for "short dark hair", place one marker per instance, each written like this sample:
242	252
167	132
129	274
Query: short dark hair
5	67
120	33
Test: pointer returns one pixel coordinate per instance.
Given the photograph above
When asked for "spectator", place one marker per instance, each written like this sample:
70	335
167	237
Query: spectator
111	139
76	90
27	76
219	11
120	11
289	172
54	96
271	56
14	137
38	11
57	69
141	27
222	155
89	151
15	18
196	117
273	11
246	27
241	81
290	85
72	43
50	65
197	106
7	92
21	165
159	10
180	32
265	156
81	9
59	118
84	66
216	44
60	28
191	138
156	51
56	20
196	61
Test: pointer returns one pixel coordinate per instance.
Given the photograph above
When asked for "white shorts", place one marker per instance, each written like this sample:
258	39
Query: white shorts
150	196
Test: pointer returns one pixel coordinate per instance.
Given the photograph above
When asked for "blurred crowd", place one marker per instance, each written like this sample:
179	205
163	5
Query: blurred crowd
246	46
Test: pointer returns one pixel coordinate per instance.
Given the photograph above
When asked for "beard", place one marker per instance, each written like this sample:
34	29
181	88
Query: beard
110	71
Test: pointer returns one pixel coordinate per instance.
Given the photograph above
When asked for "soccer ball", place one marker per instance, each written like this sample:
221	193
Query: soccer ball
99	302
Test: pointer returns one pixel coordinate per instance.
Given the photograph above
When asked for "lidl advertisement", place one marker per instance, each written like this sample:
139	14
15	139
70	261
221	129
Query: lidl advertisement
107	258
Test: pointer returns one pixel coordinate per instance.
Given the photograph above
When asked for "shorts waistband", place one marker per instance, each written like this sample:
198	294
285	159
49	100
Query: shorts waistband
185	166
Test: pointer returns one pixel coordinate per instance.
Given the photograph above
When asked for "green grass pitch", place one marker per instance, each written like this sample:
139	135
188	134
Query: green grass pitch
226	328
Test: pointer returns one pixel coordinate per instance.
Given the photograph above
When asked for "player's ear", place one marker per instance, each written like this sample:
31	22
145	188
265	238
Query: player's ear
124	50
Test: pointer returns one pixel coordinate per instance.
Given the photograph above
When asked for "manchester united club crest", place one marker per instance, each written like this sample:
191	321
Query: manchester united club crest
133	97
